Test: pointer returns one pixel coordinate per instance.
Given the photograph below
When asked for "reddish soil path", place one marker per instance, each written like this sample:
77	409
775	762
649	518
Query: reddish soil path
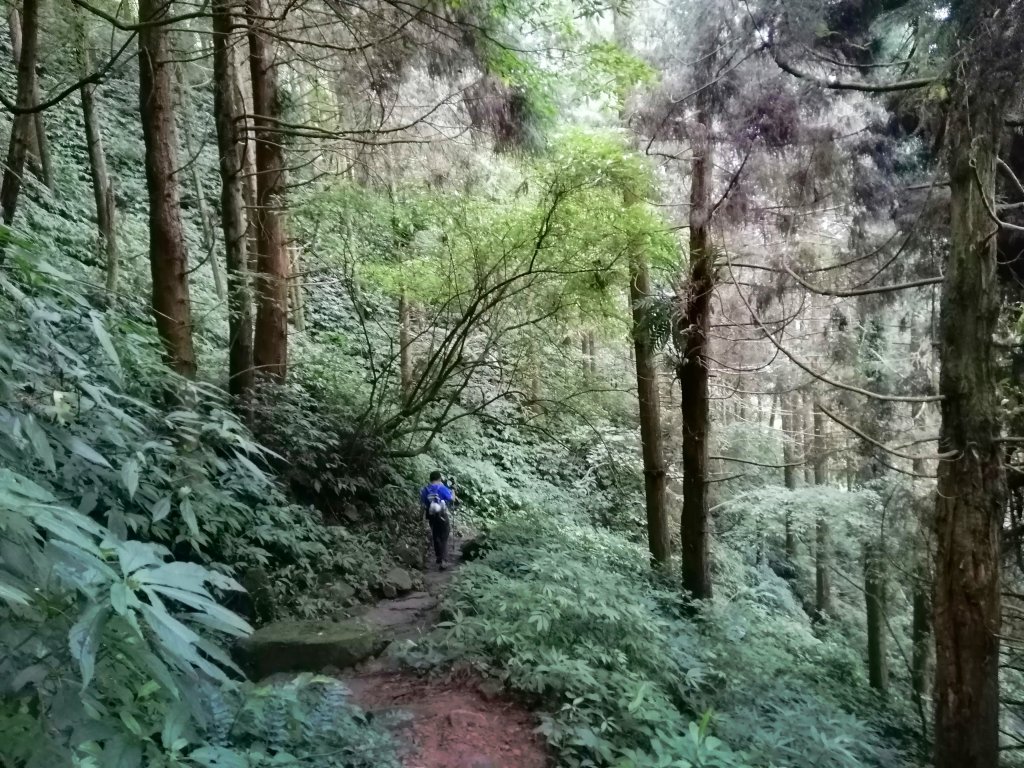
453	723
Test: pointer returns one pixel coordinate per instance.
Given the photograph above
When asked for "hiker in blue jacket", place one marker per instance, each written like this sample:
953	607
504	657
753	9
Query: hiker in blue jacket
435	499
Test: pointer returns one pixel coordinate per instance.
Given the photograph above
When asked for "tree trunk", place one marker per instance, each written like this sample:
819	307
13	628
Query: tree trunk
659	539
243	100
404	349
42	143
231	148
806	407
22	130
691	326
789	472
971	486
271	343
875	600
920	633
823	539
592	352
102	186
205	217
33	158
297	291
168	255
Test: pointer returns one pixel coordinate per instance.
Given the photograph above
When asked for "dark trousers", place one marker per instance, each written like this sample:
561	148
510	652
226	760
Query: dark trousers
439	530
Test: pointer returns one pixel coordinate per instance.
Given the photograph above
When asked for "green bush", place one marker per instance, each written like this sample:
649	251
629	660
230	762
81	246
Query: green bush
626	674
120	520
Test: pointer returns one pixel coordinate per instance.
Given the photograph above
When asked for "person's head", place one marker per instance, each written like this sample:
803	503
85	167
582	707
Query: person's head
435	476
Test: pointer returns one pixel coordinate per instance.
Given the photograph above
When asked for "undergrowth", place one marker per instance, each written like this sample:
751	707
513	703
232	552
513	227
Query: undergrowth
628	675
128	499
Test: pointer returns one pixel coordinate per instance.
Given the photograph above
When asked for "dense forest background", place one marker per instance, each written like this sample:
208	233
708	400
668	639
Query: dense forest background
713	308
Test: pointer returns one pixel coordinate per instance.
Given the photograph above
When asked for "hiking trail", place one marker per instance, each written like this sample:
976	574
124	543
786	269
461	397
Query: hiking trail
451	720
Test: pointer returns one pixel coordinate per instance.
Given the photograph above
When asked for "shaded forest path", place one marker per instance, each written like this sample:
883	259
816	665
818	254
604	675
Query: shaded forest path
451	720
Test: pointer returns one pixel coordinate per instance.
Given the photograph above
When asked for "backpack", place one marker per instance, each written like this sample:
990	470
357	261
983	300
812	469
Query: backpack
435	504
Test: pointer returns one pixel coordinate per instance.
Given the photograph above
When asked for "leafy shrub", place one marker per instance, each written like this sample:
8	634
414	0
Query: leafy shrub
107	630
570	616
307	721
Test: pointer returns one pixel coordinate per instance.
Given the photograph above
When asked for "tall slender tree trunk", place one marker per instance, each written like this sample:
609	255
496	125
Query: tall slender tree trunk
659	539
875	602
38	160
243	100
168	255
920	631
405	370
822	536
206	221
806	406
42	143
691	326
271	342
297	290
971	486
231	148
789	471
592	352
102	186
22	130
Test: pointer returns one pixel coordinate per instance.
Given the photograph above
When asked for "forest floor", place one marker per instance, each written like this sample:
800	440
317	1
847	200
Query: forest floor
454	720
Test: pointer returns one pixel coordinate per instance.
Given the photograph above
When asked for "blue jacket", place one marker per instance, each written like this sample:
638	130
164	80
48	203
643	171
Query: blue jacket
440	489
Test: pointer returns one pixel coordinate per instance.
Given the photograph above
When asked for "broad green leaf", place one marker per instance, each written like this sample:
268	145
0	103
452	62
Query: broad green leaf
189	576
176	719
189	516
220	618
69	526
134	555
77	446
12	483
130	476
104	339
40	443
161	509
84	639
119	597
12	594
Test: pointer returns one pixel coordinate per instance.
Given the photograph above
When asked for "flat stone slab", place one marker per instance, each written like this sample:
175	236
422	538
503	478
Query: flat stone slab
309	646
394	613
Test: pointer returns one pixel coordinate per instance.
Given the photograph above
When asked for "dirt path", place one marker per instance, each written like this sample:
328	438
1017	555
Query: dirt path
455	721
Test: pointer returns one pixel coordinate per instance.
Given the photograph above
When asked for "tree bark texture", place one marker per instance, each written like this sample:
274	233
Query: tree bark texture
405	350
875	601
659	539
297	290
231	148
23	129
806	437
789	472
823	538
971	486
691	326
42	143
206	221
270	351
102	186
168	254
36	159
